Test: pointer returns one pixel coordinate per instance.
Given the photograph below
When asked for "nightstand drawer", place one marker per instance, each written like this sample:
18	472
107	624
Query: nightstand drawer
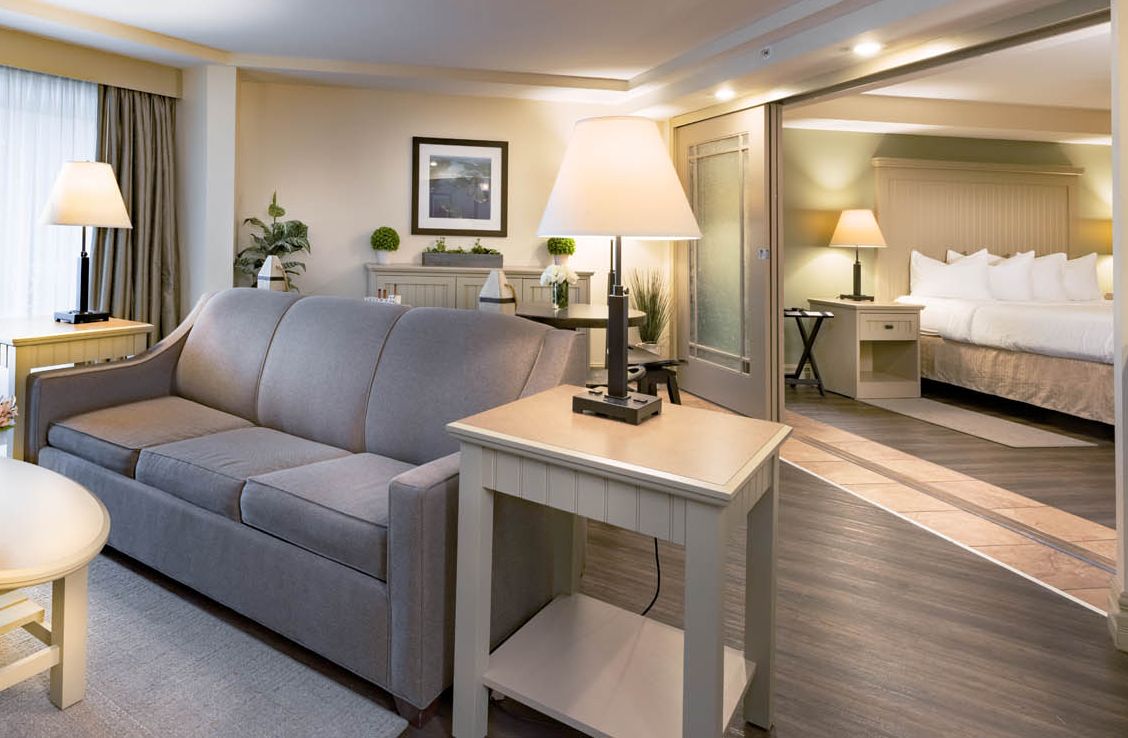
887	327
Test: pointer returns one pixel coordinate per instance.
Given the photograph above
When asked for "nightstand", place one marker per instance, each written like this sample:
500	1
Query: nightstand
870	350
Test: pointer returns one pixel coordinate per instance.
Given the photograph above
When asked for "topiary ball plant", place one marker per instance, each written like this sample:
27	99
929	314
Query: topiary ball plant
385	238
561	246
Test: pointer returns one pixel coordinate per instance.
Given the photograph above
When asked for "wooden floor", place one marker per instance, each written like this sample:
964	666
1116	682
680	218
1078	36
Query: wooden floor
1078	480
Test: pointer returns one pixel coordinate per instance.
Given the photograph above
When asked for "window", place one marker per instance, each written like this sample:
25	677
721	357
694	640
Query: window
44	121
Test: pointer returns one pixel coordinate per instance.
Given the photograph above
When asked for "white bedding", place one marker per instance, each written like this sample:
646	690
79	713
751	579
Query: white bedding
1073	330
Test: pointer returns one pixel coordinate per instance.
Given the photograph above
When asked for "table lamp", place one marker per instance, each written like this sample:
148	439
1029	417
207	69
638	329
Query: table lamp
617	181
857	229
85	194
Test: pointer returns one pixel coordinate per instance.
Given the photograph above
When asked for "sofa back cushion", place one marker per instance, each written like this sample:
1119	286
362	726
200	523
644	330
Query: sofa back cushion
440	365
223	355
318	372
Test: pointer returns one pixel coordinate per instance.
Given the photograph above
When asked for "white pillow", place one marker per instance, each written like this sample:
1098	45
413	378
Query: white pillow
953	256
1080	278
1047	279
966	279
1010	279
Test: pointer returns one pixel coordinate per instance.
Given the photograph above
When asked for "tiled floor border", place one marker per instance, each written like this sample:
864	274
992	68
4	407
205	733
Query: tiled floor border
1006	533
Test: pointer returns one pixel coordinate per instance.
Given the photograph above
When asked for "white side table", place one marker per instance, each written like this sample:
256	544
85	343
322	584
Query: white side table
50	529
688	476
33	343
871	349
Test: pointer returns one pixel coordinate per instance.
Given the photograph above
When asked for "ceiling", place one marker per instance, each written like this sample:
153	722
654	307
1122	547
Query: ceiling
653	57
1073	70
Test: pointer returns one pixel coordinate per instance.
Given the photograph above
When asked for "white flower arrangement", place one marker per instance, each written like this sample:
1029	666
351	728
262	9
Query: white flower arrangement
558	274
8	413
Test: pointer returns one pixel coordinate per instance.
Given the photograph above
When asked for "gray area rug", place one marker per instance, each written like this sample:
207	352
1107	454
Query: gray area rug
158	665
987	427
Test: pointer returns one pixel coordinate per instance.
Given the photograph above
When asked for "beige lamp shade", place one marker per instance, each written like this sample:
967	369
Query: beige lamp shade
86	194
617	179
858	229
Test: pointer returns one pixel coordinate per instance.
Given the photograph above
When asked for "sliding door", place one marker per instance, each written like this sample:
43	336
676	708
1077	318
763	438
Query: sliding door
727	286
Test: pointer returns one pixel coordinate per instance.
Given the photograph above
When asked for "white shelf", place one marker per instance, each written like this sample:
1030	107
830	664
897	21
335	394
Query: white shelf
603	670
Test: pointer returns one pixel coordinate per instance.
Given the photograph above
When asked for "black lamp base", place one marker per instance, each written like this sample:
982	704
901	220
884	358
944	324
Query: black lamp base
74	316
633	409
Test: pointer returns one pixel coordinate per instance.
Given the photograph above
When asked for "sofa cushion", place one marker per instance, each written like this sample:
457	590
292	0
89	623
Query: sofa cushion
223	355
336	508
113	437
318	372
210	471
440	365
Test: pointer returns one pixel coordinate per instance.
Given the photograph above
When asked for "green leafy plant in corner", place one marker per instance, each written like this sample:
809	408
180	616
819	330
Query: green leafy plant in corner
561	246
385	238
276	238
649	294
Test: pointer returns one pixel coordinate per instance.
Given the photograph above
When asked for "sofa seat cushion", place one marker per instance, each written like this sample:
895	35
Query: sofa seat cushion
113	437
210	471
337	509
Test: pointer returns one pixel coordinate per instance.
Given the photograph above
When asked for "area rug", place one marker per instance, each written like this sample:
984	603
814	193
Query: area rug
987	427
159	665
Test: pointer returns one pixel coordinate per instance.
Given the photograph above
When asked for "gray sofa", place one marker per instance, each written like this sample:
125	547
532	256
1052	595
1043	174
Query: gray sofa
287	457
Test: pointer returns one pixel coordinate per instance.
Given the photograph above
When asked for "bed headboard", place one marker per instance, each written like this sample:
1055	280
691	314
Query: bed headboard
932	206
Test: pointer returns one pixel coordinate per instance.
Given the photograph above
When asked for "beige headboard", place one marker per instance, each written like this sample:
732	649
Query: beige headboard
932	206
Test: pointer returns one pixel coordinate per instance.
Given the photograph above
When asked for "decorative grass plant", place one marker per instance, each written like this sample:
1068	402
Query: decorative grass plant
650	295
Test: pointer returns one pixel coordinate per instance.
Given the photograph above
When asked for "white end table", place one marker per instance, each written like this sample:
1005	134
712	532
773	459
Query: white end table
688	476
33	343
50	529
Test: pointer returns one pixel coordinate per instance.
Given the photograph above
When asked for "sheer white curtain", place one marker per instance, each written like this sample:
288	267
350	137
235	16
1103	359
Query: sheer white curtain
44	121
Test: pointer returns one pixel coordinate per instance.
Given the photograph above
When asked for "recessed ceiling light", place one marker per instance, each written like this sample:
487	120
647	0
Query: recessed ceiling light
725	93
866	49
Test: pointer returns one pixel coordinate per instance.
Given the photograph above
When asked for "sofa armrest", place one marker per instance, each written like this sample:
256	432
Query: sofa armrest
61	393
422	532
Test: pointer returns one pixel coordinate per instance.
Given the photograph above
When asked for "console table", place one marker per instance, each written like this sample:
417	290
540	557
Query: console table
688	476
35	343
458	287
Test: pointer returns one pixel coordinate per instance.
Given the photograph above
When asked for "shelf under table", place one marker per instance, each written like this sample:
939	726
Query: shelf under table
604	670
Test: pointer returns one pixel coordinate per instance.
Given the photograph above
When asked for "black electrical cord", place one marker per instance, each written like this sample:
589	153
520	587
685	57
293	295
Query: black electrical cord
658	586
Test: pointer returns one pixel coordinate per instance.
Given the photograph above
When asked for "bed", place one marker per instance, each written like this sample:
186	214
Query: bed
1053	355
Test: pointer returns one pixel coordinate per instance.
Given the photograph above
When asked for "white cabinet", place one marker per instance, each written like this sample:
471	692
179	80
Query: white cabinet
869	350
456	287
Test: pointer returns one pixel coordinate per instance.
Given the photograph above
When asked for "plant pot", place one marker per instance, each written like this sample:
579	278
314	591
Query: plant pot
383	257
561	259
487	261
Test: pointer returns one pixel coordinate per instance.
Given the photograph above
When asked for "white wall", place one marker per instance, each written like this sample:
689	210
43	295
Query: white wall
205	152
340	160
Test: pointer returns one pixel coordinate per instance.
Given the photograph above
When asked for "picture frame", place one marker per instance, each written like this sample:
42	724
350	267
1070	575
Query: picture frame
459	187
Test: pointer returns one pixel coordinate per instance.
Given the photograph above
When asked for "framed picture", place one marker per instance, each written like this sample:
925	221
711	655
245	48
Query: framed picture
459	187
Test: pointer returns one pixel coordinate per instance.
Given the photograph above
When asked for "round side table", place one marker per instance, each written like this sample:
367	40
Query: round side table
50	529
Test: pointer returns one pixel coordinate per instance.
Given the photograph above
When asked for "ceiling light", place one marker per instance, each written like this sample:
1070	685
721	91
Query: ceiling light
725	93
866	49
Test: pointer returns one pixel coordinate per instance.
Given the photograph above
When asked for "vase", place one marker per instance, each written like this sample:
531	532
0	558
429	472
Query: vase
560	259
560	295
382	256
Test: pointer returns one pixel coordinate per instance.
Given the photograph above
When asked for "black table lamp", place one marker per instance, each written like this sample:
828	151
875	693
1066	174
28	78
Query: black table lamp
85	194
617	181
857	229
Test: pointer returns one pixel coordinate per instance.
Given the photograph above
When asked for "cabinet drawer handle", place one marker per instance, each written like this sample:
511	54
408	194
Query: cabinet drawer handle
888	326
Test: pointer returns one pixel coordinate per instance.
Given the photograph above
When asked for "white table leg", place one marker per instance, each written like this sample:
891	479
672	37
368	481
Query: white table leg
472	593
759	602
703	681
68	632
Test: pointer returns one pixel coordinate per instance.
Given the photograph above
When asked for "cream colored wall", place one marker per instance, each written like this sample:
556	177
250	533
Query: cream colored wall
828	171
340	159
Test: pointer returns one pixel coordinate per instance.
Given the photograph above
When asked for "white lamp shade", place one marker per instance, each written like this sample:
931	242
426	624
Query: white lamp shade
858	229
617	179
86	194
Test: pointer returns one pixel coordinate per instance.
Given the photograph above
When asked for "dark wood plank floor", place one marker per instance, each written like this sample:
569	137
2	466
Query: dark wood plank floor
1078	480
884	630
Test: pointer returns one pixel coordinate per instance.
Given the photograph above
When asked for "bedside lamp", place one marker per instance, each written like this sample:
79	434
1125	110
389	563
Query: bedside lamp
617	181
85	194
857	229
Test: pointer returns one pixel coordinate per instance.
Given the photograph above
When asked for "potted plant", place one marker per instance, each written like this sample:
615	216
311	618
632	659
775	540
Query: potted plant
282	239
560	279
8	413
476	256
649	294
384	240
561	249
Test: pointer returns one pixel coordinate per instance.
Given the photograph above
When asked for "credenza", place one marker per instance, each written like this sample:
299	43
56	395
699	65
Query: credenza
458	287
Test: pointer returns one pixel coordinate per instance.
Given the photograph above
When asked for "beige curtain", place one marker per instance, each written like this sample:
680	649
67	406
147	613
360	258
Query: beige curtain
136	273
